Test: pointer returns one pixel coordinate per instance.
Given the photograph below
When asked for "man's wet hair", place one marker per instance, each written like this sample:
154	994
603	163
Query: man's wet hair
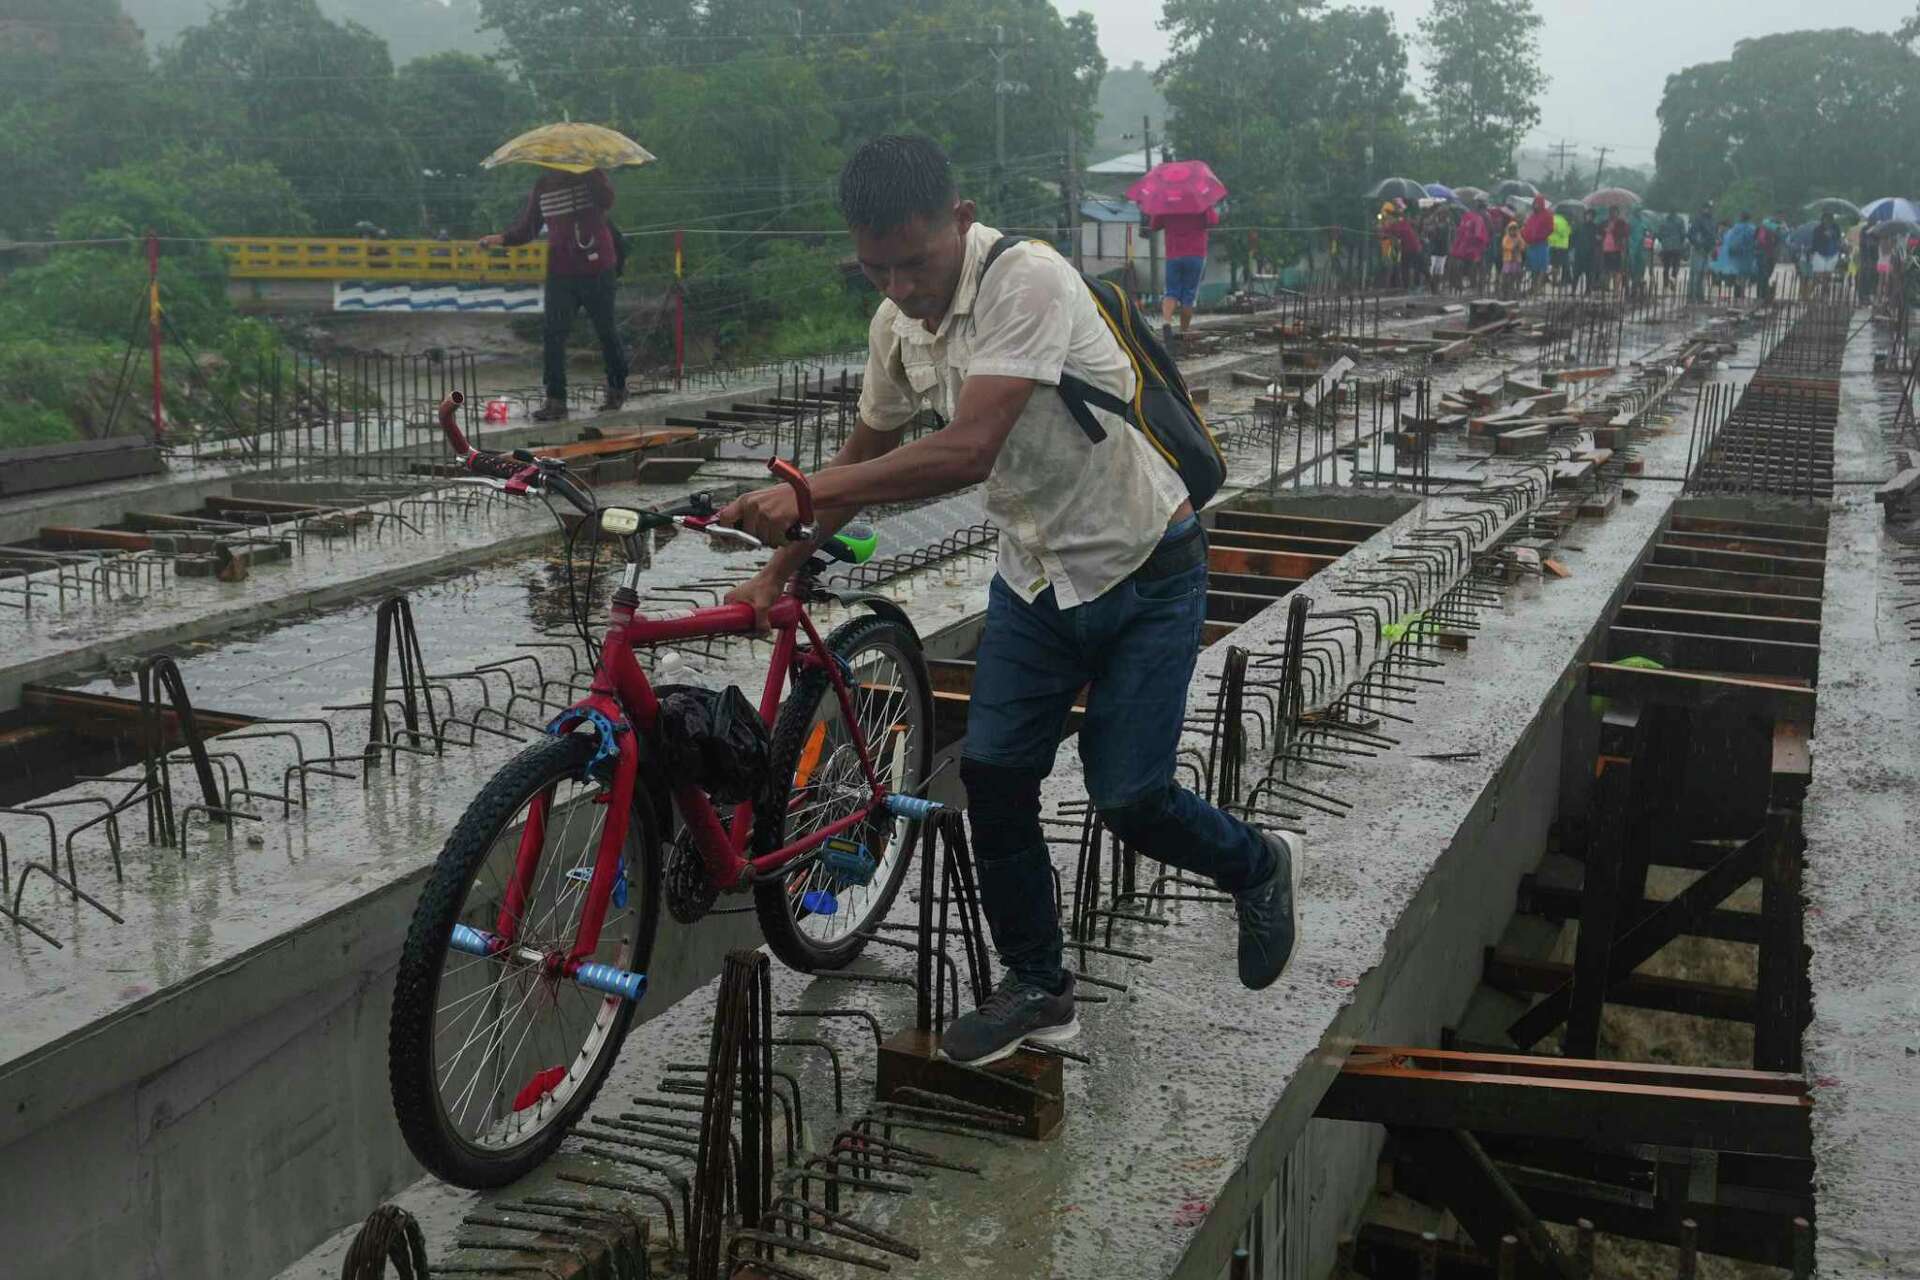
893	179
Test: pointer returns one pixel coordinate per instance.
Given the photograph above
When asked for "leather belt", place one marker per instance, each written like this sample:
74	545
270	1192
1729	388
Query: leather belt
1175	556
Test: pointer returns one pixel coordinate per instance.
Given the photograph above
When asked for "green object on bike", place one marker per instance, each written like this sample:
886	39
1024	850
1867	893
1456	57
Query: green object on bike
858	542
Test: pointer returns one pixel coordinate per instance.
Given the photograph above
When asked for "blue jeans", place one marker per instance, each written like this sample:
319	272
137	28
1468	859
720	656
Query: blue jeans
1183	278
1133	650
1697	276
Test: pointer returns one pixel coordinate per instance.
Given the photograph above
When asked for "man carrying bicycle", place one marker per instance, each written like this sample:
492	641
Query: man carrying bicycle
1102	579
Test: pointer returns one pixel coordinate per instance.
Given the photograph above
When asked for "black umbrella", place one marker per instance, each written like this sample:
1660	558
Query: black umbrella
1514	187
1570	208
1398	189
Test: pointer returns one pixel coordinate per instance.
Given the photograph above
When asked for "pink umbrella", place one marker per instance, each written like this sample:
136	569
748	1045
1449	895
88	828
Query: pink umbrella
1178	186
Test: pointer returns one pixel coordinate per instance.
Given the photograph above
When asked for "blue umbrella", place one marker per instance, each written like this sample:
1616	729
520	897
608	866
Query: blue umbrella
1891	209
1439	191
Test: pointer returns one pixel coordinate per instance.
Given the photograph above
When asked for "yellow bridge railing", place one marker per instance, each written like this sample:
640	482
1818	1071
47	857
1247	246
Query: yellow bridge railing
323	258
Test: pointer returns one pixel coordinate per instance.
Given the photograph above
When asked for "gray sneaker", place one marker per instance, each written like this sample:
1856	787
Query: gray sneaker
1270	914
1015	1014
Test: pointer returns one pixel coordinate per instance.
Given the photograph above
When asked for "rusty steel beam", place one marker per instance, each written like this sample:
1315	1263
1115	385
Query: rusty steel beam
1266	564
1580	1100
74	538
1689	651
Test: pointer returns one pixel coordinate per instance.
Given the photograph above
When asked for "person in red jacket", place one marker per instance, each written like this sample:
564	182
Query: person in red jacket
581	265
1413	255
1471	240
1186	263
1537	230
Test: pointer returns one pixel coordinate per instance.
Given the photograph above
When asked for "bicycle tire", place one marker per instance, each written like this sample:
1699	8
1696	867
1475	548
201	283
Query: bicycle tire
411	1052
775	898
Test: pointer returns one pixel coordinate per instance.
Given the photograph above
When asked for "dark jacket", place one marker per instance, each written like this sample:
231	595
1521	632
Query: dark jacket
1702	235
574	208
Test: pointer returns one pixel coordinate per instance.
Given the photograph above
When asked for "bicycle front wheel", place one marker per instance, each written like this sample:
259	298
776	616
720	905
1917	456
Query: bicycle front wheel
815	915
492	1058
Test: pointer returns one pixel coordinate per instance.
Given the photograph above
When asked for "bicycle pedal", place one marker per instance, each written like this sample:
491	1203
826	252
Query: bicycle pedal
849	860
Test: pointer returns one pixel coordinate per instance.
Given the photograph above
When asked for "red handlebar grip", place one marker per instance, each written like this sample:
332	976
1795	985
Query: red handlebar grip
455	437
794	480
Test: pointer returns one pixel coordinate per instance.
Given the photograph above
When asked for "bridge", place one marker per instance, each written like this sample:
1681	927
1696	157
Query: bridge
341	258
327	273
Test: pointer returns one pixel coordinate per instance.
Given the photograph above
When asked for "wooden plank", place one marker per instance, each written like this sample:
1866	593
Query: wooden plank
1266	564
637	442
1666	553
1746	544
65	537
1351	532
1212	631
100	714
1811	535
1251	584
1261	541
1695	689
1675	575
1792	753
1737	625
1690	651
1600	1110
1712	601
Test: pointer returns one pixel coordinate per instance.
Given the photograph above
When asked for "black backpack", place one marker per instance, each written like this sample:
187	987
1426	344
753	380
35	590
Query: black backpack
619	248
1162	408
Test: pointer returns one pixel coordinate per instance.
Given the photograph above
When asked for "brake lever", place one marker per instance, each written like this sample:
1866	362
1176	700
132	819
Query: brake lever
705	524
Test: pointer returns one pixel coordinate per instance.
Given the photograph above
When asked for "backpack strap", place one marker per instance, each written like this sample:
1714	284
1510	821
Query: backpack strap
1077	393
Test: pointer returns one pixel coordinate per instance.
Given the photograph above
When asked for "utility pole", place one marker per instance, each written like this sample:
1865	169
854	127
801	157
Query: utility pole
1153	245
1000	119
1599	168
1072	189
1560	150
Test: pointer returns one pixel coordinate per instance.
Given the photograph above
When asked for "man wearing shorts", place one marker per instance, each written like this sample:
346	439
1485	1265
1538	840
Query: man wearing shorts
1186	263
1102	581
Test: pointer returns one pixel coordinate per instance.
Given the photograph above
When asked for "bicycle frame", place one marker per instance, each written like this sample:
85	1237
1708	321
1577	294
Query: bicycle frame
620	705
622	697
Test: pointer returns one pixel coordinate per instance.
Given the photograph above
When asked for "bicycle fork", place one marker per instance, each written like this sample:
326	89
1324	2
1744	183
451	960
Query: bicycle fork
603	978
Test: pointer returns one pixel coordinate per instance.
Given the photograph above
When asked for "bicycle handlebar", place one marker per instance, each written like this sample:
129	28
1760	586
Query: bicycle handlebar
520	472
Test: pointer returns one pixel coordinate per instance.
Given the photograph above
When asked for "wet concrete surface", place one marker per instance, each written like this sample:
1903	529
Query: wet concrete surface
1862	822
1202	1093
1189	1065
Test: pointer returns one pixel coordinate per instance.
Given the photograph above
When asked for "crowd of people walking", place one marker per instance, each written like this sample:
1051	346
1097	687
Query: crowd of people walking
1489	246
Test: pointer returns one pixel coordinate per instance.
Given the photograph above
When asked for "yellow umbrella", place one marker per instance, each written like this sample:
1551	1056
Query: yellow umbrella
572	147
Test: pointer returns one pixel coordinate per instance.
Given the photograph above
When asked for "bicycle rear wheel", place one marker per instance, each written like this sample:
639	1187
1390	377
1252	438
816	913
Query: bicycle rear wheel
813	916
490	1059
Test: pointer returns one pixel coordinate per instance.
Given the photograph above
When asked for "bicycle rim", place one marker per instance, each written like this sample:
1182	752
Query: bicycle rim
829	785
512	1046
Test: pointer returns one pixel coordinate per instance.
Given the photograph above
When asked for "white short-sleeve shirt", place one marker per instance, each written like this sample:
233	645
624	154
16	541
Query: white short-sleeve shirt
1075	514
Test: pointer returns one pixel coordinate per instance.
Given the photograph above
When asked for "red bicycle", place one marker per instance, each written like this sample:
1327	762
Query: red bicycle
530	944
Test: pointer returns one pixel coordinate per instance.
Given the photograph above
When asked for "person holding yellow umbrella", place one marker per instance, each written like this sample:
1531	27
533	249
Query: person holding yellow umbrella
572	198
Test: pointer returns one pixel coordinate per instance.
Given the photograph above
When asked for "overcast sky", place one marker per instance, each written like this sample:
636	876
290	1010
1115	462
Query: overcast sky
1608	59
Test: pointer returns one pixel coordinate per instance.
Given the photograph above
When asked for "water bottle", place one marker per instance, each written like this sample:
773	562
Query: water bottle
673	668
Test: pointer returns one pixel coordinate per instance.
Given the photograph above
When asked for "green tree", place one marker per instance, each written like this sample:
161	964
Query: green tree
1299	158
276	81
1801	114
456	108
1484	81
74	97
